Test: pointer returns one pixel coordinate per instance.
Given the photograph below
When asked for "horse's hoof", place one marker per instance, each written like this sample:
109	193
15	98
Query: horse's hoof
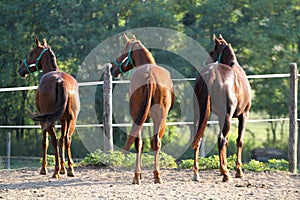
239	174
226	178
43	171
63	171
136	182
196	177
71	173
158	180
137	178
55	175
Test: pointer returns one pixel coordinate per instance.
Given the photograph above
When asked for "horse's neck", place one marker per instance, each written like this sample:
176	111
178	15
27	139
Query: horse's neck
50	65
144	57
230	59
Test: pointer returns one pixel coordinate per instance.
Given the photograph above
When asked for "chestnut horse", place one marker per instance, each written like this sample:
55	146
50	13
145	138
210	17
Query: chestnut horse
57	97
223	88
151	95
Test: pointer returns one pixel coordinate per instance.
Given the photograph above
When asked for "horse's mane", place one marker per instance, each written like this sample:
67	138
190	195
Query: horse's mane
229	55
53	57
148	53
141	46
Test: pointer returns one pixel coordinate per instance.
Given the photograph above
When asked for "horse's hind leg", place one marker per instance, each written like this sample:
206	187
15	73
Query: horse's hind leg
159	129
239	144
201	116
45	144
138	161
135	136
222	145
68	139
62	146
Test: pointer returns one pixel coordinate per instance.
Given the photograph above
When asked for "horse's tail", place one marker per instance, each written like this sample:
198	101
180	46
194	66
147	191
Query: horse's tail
59	107
202	105
143	113
145	104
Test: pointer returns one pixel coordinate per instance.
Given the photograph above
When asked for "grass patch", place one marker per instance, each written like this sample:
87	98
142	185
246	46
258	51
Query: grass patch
118	159
212	162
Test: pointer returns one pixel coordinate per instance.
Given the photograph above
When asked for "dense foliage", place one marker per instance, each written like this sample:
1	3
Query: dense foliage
265	35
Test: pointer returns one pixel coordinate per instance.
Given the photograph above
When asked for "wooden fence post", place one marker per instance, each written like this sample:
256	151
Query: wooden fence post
292	152
8	150
107	109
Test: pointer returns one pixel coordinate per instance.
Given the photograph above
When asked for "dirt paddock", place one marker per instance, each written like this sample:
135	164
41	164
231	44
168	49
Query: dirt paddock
106	183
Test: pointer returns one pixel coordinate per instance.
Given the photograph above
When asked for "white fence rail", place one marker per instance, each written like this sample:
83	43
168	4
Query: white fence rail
145	124
95	83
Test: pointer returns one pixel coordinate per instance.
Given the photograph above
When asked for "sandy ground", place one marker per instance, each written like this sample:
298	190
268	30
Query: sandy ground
107	183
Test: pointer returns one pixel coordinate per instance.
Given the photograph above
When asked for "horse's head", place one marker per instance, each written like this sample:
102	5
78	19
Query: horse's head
36	58
124	62
222	51
133	54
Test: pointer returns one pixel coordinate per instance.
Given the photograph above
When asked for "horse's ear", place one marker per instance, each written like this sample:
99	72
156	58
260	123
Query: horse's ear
134	37
221	38
45	42
215	39
126	38
38	43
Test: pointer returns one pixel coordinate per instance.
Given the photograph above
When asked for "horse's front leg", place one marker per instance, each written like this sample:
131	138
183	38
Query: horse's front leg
159	129
239	144
45	144
54	142
196	147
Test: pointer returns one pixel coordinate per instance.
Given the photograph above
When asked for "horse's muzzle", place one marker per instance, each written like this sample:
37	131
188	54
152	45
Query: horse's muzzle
115	72
22	71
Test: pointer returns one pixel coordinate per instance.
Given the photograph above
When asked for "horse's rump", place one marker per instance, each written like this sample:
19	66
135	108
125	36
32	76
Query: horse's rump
226	85
53	95
149	85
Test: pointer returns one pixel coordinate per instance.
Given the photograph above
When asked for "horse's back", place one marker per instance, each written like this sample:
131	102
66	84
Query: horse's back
153	73
52	77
